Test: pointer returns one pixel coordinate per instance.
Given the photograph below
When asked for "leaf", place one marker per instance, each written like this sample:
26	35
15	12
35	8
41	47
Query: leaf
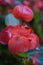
22	54
4	49
36	16
2	24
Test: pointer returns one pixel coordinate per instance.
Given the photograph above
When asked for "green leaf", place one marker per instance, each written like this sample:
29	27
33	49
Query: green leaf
22	54
4	49
36	16
2	24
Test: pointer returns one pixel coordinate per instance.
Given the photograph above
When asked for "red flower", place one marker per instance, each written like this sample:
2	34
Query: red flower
23	12
18	30
18	44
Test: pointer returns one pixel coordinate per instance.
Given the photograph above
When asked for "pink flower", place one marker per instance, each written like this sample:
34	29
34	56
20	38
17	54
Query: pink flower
6	2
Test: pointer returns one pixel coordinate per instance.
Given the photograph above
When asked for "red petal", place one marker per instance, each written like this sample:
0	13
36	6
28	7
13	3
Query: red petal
5	35
34	41
18	44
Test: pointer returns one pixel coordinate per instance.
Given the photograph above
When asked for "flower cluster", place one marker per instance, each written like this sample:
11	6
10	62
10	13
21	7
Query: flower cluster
20	38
